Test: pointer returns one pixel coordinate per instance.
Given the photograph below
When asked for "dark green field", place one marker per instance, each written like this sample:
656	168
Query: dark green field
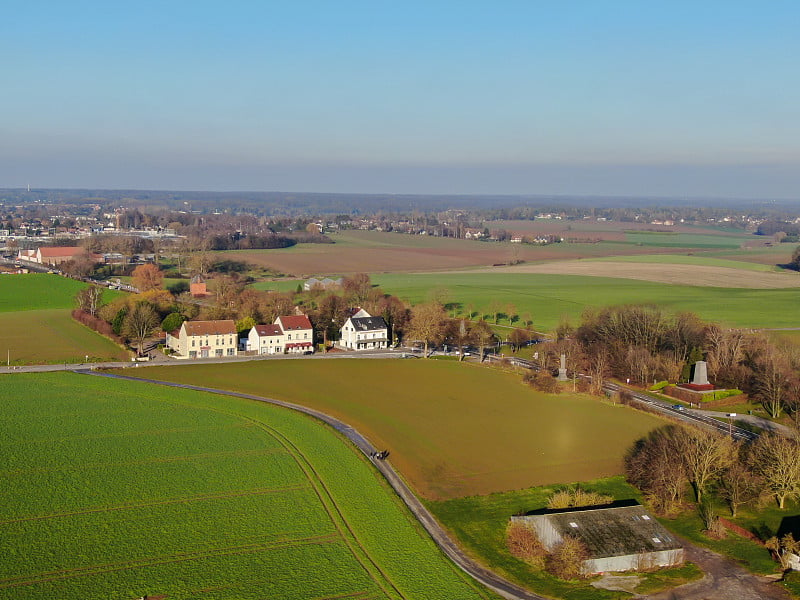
39	291
454	429
548	297
115	489
36	325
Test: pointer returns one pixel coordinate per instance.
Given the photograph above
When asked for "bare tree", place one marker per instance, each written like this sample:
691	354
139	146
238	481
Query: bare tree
140	323
428	324
461	335
706	455
484	336
90	299
738	486
777	460
773	379
654	465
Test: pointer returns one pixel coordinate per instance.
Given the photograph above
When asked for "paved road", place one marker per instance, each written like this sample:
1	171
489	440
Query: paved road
485	576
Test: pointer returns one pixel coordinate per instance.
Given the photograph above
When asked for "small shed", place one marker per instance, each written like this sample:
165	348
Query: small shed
618	538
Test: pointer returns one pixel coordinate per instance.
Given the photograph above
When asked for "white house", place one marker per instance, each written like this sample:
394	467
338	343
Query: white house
266	339
298	333
364	332
204	339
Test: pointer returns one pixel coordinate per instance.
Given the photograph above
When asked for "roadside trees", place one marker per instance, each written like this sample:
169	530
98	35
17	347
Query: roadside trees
90	299
147	277
484	336
428	324
140	323
777	460
706	455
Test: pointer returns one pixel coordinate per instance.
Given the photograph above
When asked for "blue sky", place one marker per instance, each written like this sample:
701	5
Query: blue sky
630	98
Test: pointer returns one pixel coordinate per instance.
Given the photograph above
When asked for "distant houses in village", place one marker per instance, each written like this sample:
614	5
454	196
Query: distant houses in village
289	334
322	284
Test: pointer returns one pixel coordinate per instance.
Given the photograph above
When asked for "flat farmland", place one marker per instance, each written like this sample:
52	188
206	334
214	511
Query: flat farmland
36	325
686	270
118	489
52	336
381	252
549	297
38	291
454	429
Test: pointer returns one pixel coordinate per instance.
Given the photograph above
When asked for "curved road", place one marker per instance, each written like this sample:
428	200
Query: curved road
485	576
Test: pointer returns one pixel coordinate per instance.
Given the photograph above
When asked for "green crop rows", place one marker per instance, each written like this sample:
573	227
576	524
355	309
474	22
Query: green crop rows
115	489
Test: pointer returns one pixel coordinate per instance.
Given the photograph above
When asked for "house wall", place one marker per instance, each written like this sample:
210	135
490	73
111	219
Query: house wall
268	344
350	338
206	346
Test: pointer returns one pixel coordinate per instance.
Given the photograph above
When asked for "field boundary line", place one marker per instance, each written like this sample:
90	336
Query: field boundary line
149	461
464	562
328	538
164	502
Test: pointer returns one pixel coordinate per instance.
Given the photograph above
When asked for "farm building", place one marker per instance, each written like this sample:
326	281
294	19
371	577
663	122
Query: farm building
620	538
204	339
364	332
55	255
322	284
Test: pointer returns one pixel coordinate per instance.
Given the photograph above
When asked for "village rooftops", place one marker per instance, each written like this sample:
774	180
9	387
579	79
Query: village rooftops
294	322
368	323
224	327
268	330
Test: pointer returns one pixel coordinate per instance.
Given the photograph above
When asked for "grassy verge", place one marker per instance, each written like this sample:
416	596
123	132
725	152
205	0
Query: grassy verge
479	524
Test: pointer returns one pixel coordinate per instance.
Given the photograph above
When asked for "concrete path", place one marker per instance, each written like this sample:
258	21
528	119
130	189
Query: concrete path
724	580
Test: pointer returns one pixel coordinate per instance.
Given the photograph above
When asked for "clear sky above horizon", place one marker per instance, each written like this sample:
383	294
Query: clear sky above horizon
584	97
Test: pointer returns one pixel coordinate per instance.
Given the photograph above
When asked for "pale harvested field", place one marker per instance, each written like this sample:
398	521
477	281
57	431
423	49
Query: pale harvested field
379	252
698	275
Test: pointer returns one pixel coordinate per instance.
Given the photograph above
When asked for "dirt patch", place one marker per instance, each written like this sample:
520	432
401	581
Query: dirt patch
618	583
697	275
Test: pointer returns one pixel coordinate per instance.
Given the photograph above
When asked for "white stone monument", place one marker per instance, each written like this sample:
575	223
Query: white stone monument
562	370
700	375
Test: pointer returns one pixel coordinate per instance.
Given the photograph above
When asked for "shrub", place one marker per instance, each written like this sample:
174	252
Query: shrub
578	497
659	386
523	543
544	382
566	560
95	323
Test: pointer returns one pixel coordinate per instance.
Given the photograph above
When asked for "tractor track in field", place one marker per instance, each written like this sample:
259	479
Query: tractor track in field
148	461
448	546
164	502
166	559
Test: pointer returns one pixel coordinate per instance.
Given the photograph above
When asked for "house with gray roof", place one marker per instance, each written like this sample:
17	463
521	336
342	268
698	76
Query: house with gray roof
364	332
618	538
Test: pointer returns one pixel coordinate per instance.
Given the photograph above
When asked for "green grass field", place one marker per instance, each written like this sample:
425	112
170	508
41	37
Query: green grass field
115	489
548	297
52	336
454	429
479	523
36	326
38	291
686	240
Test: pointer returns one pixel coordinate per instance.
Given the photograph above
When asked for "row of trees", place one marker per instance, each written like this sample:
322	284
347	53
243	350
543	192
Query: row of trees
646	344
669	458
